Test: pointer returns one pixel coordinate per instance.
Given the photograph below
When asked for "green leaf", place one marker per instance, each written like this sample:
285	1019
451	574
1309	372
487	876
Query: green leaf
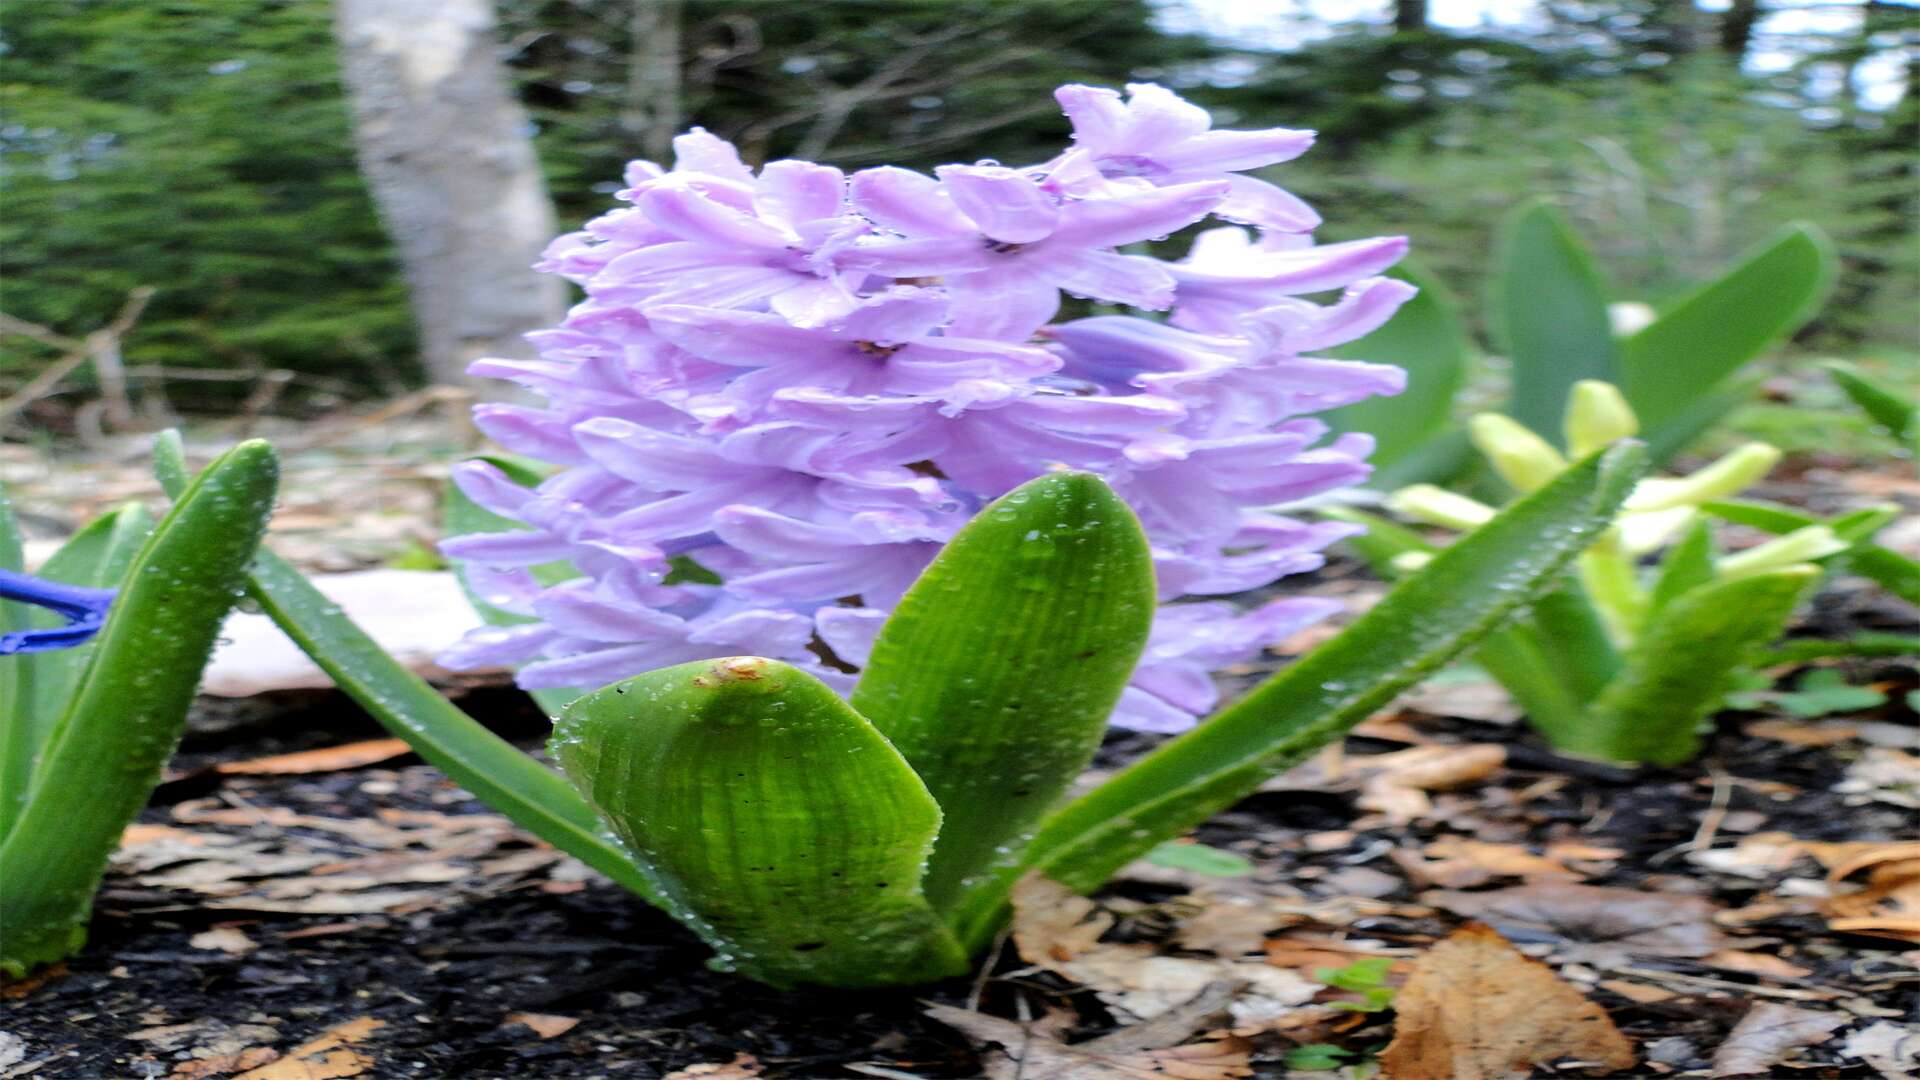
1575	641
996	674
1468	589
124	718
1706	337
1824	693
1686	567
19	730
1199	859
1684	664
96	557
1896	412
1893	571
464	517
1426	338
1519	662
533	796
773	813
1316	1057
1550	315
1867	644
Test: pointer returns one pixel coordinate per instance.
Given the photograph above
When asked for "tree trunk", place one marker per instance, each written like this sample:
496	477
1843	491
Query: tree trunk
1736	28
446	151
651	113
1409	16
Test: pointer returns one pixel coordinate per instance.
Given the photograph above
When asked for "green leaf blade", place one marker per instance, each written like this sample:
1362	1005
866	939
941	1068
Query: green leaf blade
1705	338
124	718
1468	590
96	557
1683	665
780	823
1550	311
1427	338
1896	412
996	674
531	795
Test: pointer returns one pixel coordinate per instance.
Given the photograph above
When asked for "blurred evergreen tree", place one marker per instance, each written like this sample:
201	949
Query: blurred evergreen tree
200	148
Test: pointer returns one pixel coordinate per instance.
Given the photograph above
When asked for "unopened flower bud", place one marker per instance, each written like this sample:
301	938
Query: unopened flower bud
1725	477
1597	415
1798	546
1521	457
1438	506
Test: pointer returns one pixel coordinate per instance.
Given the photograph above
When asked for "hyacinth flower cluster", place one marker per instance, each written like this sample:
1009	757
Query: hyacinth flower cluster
785	390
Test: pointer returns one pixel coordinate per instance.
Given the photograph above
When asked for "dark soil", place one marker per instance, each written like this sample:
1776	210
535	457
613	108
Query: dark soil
445	979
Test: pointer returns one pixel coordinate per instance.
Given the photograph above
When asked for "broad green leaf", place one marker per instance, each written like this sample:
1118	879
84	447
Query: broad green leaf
1574	640
1549	315
1686	567
96	557
1521	664
124	719
464	517
1427	339
1826	692
1867	643
775	814
1891	570
1705	338
533	796
1199	859
1896	412
1684	664
19	740
1694	418
1468	590
996	674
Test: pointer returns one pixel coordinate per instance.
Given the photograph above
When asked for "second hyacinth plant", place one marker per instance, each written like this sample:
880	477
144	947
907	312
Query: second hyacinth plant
861	505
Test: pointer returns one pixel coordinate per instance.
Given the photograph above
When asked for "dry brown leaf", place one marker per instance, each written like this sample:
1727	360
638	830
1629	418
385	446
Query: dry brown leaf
1754	963
1495	860
1759	856
1231	926
1801	733
742	1067
224	1064
1643	993
1767	1034
545	1025
1058	931
328	759
328	1056
1599	925
1892	1050
1889	905
227	939
1884	775
1398	783
1012	1051
1476	1009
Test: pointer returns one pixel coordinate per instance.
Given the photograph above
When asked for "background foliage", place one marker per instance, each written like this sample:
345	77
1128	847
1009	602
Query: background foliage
202	146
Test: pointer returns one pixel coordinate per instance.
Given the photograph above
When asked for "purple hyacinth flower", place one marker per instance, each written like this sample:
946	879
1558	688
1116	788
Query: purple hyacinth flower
85	611
801	384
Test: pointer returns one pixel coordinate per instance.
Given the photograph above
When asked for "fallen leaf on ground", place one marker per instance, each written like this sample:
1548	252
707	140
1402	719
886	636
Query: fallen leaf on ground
1456	863
1754	963
1884	775
328	1056
1398	783
1767	1034
1801	733
1889	905
227	939
1892	1050
1601	926
1057	931
1013	1051
545	1025
327	759
206	1068
1471	699
1761	855
1474	1008
742	1067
